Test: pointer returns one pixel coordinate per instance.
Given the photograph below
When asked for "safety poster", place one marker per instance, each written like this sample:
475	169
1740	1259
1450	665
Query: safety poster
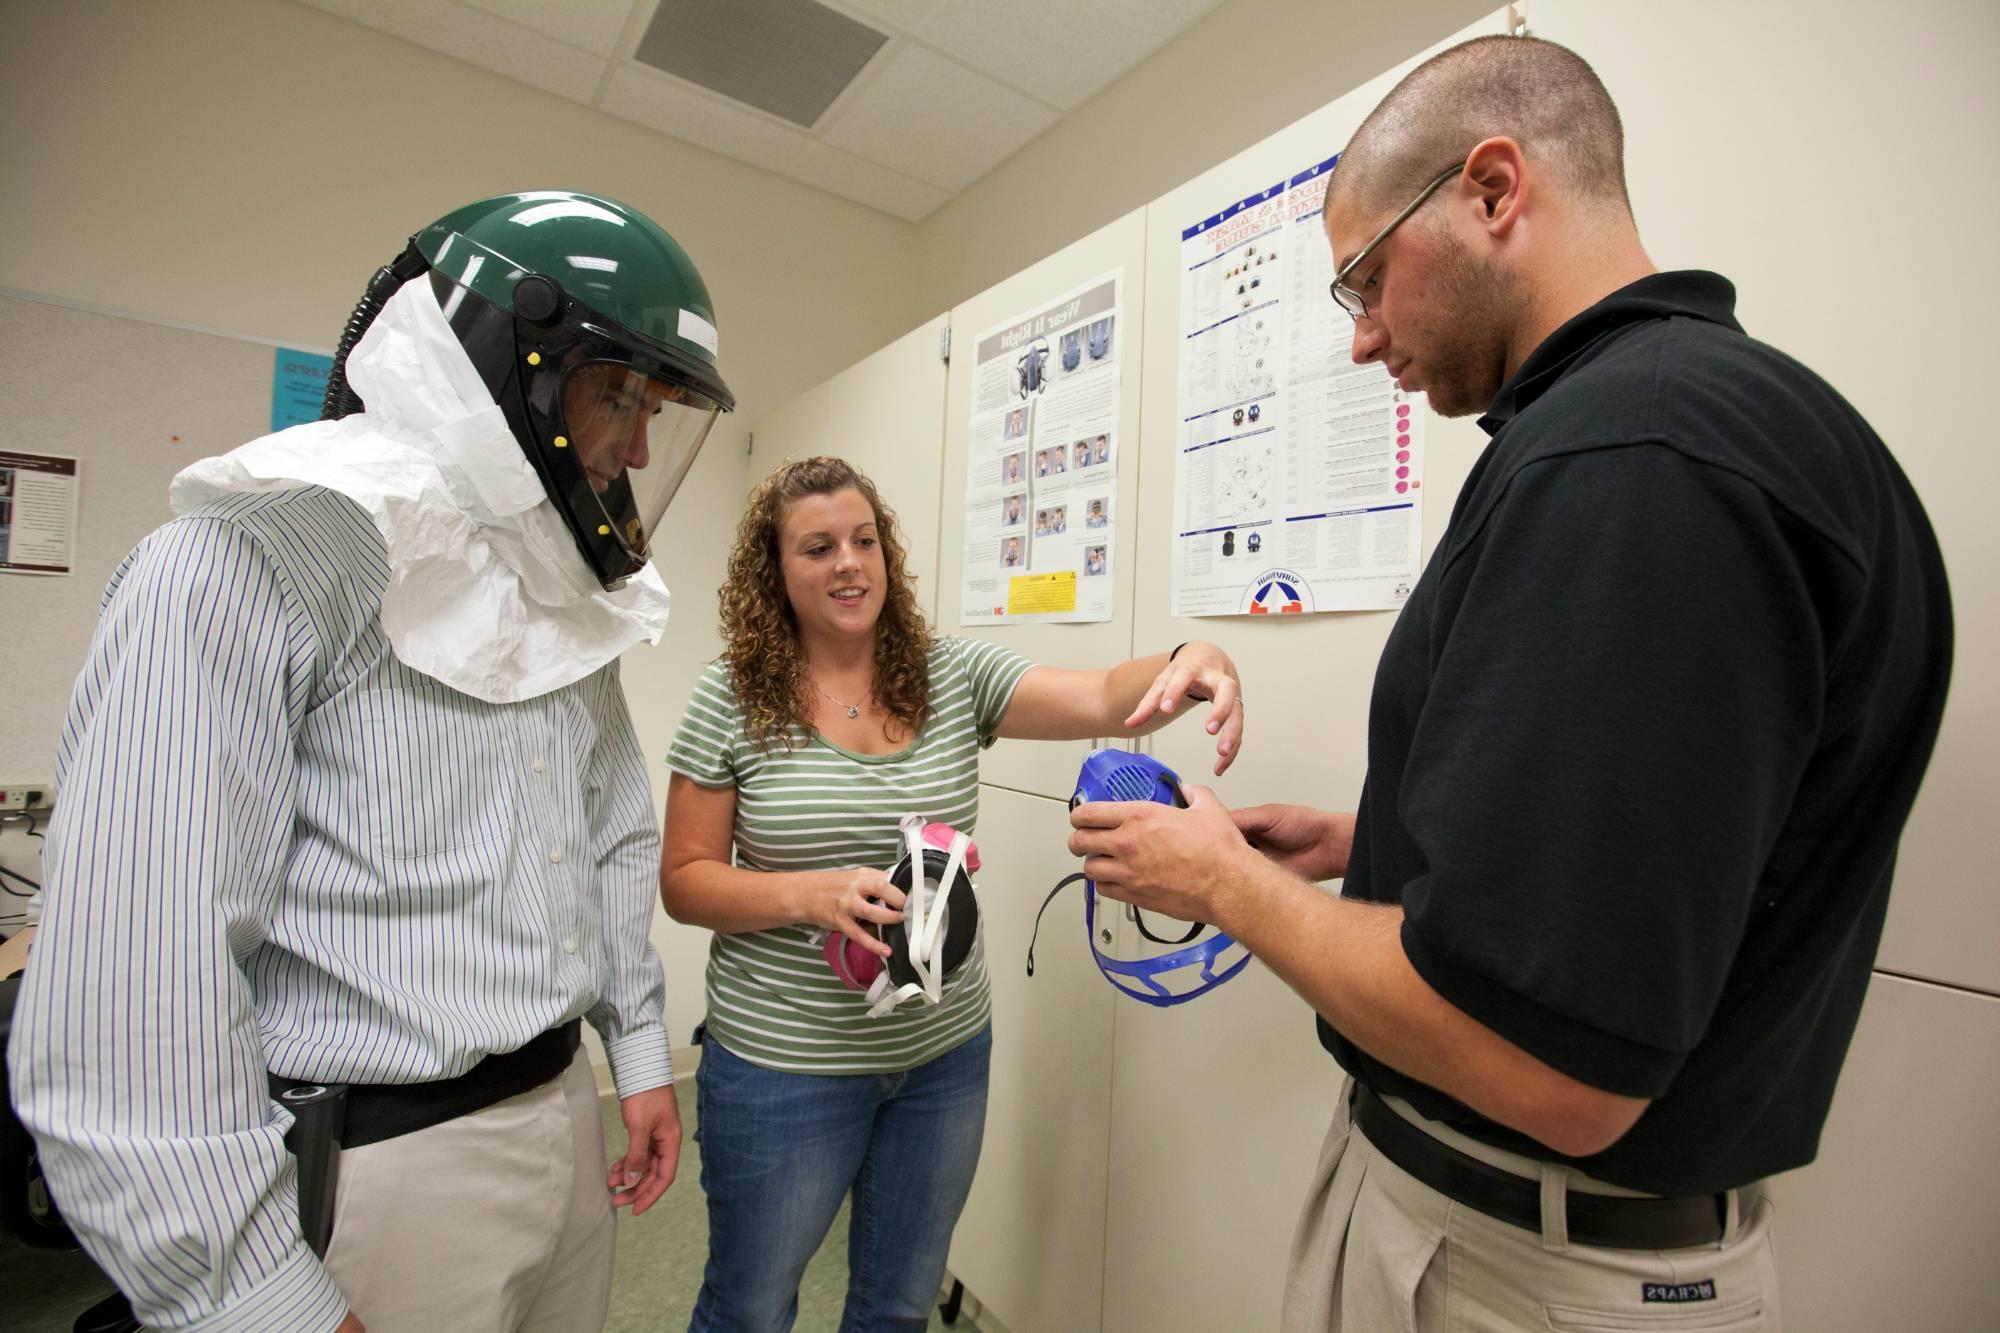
1298	474
1042	473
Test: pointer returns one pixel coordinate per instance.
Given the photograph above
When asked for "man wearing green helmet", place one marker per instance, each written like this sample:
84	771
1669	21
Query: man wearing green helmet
352	801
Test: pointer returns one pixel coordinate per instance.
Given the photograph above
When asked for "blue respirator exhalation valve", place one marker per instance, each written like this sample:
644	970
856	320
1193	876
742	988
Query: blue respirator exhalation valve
1117	775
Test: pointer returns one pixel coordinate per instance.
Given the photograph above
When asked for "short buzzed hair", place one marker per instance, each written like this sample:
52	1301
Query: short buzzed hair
1543	96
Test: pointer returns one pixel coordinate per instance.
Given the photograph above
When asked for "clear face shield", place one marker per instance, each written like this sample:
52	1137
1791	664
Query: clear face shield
634	436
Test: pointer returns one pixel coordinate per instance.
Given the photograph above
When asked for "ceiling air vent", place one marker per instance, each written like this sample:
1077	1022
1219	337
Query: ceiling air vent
788	57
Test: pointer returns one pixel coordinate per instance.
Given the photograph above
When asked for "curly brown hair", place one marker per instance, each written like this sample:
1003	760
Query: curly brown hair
760	631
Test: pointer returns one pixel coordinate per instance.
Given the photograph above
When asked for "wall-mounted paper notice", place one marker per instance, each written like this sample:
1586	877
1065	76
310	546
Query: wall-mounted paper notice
37	513
1298	477
1043	467
298	387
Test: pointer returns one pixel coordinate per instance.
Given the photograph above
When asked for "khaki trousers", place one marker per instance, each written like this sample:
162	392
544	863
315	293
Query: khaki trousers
496	1221
1378	1250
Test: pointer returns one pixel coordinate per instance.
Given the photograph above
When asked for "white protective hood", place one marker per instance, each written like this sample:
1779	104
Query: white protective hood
487	591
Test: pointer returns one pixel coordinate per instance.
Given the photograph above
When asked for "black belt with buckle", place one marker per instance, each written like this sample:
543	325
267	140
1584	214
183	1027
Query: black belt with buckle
328	1117
378	1111
1602	1220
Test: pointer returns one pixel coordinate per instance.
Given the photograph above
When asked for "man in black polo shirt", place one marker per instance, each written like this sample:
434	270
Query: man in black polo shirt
1641	746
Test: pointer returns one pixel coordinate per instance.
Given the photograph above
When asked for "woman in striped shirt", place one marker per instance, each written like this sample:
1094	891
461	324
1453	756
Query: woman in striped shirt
833	712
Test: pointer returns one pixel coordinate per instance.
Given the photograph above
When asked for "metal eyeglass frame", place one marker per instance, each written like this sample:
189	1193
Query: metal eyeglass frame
1346	297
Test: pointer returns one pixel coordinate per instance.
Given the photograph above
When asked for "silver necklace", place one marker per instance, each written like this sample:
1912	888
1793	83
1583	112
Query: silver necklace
853	710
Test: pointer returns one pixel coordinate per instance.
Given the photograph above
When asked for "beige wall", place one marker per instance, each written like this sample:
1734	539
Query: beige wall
1244	72
245	165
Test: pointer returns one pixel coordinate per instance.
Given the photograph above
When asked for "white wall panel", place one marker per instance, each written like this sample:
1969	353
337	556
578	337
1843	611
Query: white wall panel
182	396
1306	679
1030	1245
1218	1109
1221	1104
1826	168
1050	770
1206	1118
1892	1228
885	415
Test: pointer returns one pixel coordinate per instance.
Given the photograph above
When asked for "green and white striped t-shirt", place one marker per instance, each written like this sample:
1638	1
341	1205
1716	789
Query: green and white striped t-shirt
772	999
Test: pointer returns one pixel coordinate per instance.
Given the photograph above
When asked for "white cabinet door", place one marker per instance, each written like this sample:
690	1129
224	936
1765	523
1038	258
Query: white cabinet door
1306	679
1218	1110
1892	1228
1219	1106
1031	1243
1779	83
1049	770
885	415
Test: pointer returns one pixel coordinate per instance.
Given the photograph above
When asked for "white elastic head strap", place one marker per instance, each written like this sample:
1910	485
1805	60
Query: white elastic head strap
922	924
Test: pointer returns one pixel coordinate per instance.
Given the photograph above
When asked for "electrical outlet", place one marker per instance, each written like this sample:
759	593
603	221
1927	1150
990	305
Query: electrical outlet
33	794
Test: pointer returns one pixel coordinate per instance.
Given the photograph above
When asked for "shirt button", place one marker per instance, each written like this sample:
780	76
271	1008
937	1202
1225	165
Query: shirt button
556	855
537	765
569	946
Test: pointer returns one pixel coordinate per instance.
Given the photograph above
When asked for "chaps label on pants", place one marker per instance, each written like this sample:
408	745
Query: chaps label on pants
1654	1293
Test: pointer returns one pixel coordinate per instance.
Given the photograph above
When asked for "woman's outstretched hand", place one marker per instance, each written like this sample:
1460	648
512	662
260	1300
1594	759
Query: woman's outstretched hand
1201	672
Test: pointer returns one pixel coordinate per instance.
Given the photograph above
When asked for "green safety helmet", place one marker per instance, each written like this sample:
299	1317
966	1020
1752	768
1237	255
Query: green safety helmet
594	332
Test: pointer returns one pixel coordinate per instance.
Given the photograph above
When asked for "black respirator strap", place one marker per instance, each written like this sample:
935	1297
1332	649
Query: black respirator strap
1062	884
1138	918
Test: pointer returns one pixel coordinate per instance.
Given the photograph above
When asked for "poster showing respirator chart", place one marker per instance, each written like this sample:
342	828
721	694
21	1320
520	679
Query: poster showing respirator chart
1298	473
1042	474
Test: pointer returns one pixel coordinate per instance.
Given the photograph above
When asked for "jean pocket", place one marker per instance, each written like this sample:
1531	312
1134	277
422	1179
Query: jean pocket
715	1070
1745	1315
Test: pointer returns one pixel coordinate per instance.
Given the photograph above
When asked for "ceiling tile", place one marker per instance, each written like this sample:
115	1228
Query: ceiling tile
932	118
903	14
480	39
1061	51
594	25
673	108
962	86
792	58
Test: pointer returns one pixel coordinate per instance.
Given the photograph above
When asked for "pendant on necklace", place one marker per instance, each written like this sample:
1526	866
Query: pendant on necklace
854	710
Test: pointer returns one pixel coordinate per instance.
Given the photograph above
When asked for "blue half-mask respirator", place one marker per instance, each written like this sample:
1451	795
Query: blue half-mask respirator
1192	969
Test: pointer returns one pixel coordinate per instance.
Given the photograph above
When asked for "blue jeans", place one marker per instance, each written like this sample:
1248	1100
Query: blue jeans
778	1153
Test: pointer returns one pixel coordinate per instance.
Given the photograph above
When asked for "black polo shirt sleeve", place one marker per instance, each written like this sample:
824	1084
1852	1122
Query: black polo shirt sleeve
1626	677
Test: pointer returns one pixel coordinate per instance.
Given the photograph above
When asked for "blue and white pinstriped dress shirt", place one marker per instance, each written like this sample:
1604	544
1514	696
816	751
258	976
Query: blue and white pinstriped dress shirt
277	847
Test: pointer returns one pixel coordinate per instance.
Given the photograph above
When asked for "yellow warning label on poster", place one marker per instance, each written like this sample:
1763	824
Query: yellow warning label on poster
1034	594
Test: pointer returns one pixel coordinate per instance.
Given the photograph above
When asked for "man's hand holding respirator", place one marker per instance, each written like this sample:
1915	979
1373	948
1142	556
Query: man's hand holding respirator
1193	864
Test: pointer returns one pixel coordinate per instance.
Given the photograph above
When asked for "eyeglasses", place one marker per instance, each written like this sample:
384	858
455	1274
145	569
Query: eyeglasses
1349	299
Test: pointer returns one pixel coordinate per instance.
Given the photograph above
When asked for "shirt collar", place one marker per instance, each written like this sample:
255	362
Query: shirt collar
1691	292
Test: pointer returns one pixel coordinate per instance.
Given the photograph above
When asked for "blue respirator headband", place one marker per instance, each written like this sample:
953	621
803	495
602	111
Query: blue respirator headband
1115	775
